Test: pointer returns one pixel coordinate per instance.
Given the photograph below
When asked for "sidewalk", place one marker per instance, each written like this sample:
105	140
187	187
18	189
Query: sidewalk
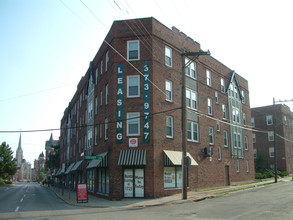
95	202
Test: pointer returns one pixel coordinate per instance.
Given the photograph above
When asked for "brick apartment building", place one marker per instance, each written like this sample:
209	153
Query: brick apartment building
263	119
127	111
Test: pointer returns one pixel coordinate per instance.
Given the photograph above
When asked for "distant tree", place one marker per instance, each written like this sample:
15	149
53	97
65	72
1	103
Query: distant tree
53	160
7	162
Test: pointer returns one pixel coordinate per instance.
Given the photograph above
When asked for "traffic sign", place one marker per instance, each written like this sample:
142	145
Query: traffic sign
93	157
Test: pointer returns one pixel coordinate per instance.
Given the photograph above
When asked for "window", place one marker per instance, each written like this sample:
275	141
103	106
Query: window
270	135
133	86
133	52
96	135
246	142
106	129
101	66
107	61
219	153
225	139
269	119
173	177
253	138
190	69
252	122
169	126
247	166
218	126
107	94
209	78
211	135
103	180
244	119
168	88
224	110
97	105
97	74
255	153
90	180
210	107
223	85
191	99
192	131
133	124
101	98
271	152
237	166
243	96
101	130
217	97
168	56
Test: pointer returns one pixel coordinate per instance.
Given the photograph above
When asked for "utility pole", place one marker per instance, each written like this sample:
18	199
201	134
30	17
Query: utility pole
194	55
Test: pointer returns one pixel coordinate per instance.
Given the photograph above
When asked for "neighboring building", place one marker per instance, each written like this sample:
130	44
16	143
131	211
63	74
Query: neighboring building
128	113
24	171
263	141
50	147
39	168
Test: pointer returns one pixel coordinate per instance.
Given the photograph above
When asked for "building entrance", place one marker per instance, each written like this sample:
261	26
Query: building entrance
133	182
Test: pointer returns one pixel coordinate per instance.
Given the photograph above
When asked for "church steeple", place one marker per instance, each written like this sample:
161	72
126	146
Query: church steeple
19	152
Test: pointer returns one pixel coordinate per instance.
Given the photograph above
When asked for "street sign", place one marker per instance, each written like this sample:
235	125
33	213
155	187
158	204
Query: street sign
93	157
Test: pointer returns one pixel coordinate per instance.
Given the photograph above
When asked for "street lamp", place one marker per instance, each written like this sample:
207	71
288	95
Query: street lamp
194	56
275	149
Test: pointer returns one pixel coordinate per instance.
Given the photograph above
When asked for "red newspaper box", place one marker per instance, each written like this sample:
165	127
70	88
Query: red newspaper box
81	192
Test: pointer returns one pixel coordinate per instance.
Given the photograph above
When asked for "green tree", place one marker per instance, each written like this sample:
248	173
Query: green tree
53	160
7	162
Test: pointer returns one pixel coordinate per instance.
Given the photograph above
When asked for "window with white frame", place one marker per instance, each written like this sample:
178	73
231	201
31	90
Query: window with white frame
209	77
270	135
168	56
252	122
106	129
107	94
224	111
107	61
190	69
244	119
133	124
269	119
133	50
271	152
243	96
246	142
169	93
169	126
211	135
192	131
133	89
191	99
225	139
253	138
219	153
223	85
210	106
217	97
247	166
218	126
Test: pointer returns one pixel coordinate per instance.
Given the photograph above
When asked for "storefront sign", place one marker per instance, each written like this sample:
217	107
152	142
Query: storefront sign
146	102
119	103
81	192
133	142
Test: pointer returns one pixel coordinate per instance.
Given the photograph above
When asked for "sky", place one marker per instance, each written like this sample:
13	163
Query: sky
46	47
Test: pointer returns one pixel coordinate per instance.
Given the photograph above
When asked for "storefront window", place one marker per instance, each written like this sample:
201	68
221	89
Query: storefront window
90	180
103	180
172	177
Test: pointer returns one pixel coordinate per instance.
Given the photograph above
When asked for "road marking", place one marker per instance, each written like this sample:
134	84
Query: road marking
21	200
17	208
